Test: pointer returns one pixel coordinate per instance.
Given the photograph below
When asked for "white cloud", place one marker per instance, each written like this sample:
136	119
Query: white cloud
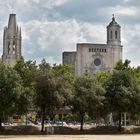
131	42
95	33
52	26
1	42
51	3
49	39
41	3
27	6
122	10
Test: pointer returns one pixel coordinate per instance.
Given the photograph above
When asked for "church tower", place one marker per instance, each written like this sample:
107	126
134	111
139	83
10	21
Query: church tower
92	57
114	41
114	33
11	42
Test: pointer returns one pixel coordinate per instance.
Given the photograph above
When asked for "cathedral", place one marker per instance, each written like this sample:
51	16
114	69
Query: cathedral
11	42
90	57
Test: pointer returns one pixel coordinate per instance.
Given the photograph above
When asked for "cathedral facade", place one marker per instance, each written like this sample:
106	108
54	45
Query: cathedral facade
91	57
11	42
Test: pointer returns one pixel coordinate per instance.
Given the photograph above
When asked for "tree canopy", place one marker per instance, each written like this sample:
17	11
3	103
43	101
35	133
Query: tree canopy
88	96
11	92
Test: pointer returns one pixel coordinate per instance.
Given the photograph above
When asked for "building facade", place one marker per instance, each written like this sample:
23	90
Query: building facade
11	42
69	58
91	57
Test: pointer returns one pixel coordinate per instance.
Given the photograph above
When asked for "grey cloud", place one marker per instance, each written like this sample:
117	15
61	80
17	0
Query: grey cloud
54	26
87	10
131	44
50	39
135	3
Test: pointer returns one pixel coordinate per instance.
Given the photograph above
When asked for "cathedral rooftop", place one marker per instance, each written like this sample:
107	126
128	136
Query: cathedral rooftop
113	23
91	44
12	24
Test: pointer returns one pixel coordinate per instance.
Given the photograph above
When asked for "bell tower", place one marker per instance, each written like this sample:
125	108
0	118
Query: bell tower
11	42
114	41
114	33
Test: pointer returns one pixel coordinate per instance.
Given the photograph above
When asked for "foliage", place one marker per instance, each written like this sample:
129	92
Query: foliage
27	71
121	90
11	91
52	89
88	96
66	76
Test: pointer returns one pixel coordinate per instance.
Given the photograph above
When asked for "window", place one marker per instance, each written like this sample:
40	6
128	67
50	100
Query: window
86	71
97	62
14	47
89	49
111	34
8	47
115	34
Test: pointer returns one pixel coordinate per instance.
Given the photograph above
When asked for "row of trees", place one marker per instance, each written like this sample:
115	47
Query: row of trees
49	88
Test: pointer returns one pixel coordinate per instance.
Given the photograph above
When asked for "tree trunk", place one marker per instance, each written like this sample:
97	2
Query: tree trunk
0	122
26	119
120	126
62	118
82	120
43	118
125	119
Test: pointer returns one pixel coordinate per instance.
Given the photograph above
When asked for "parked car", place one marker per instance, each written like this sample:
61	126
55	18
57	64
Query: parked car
60	123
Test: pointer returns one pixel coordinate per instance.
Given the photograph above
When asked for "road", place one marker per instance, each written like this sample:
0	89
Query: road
73	137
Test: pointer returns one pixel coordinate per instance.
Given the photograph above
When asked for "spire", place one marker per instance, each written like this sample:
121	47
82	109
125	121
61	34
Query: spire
12	24
113	17
11	42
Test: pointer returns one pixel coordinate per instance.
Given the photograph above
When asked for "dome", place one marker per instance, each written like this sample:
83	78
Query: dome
113	23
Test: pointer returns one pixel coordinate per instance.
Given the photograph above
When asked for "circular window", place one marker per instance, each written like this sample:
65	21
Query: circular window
97	61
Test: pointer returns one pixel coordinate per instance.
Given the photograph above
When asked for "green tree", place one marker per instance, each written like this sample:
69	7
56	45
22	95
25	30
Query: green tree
136	94
123	65
104	110
51	90
121	89
11	91
66	76
27	71
88	96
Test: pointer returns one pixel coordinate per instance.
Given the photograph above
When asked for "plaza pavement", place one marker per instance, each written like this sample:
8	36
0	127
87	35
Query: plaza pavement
72	137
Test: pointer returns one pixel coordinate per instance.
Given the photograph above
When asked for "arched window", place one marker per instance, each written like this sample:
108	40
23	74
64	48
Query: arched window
86	71
89	49
111	35
8	47
14	47
115	34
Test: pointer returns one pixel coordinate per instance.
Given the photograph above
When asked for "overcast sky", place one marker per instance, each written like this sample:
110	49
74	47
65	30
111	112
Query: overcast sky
50	27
